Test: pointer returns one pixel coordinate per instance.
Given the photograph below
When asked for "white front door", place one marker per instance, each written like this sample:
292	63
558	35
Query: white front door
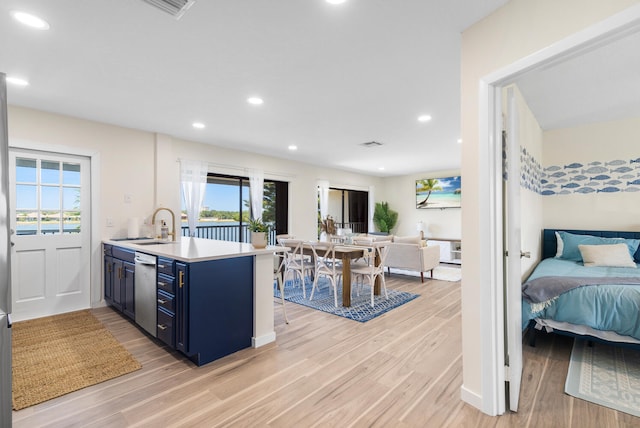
50	213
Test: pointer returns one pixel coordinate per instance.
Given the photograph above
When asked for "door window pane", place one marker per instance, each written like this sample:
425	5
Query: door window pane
70	198
50	199
50	172
71	222
71	173
26	197
26	170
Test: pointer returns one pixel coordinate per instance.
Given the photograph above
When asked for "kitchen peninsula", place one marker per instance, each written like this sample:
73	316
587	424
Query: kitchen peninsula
213	297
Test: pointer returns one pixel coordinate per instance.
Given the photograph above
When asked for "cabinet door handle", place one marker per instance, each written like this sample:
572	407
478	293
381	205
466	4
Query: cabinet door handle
162	301
161	266
181	279
162	283
162	327
119	273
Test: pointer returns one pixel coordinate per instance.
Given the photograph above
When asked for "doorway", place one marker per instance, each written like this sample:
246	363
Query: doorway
497	310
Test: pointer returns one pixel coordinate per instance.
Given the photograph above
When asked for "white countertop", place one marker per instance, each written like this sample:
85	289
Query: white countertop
195	249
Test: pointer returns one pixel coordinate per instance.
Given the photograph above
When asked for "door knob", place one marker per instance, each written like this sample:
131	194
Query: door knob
525	254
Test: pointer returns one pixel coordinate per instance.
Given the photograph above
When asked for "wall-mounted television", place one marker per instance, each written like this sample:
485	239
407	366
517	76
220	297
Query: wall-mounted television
438	193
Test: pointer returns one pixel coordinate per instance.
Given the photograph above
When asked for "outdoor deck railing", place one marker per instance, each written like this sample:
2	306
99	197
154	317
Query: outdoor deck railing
227	233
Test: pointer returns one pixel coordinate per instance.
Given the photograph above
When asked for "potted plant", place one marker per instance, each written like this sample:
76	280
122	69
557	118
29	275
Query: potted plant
384	218
259	232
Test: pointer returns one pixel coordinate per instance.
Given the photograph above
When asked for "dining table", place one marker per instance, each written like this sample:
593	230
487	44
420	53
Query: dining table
346	253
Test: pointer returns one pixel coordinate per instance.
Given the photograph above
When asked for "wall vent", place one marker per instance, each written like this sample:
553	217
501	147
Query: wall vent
175	8
371	144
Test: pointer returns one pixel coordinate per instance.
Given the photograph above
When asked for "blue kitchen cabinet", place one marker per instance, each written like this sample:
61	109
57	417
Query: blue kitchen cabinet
119	279
214	308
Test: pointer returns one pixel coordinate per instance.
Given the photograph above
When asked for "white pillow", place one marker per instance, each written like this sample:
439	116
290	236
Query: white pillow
559	245
615	255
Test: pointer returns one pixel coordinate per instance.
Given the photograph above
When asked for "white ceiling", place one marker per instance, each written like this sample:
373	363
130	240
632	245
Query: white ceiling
332	77
599	85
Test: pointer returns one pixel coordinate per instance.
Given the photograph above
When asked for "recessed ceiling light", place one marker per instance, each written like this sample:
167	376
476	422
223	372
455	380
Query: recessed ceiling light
198	125
256	101
459	140
293	147
30	20
335	1
424	118
380	168
18	81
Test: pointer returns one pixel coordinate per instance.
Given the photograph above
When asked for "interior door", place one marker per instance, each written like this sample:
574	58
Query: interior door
513	274
50	212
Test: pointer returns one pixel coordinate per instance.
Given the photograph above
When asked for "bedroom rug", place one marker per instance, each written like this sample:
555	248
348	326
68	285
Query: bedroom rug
605	375
360	309
55	355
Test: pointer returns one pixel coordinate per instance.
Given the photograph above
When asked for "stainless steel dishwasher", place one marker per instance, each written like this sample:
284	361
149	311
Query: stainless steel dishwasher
145	295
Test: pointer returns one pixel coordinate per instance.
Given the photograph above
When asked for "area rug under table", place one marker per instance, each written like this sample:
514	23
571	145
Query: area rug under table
606	375
360	309
55	355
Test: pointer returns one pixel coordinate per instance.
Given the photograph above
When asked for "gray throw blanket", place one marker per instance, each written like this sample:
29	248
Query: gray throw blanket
546	288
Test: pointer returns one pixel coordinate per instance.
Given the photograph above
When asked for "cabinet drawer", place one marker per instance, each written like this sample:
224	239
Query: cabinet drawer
107	249
166	301
165	328
166	266
166	283
123	254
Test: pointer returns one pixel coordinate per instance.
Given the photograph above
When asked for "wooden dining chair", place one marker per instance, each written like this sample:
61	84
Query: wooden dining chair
296	263
327	266
278	272
372	270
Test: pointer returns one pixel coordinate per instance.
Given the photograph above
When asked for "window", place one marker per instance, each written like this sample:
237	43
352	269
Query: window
226	209
47	196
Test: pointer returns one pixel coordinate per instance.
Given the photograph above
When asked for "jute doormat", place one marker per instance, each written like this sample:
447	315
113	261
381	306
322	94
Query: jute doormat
55	355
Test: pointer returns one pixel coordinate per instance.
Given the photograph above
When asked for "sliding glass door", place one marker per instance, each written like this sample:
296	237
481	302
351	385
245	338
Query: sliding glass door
227	209
349	209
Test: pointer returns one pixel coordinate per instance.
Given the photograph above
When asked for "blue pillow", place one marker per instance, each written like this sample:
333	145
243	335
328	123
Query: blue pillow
570	241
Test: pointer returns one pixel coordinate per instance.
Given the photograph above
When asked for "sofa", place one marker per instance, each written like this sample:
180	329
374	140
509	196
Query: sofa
412	253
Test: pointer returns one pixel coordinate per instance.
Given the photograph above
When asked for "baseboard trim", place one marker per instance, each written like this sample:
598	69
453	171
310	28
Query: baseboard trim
265	339
471	397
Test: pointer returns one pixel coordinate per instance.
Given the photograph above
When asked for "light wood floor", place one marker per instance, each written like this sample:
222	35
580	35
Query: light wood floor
402	369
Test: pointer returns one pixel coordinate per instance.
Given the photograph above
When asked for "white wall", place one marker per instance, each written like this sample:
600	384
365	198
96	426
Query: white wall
400	193
145	166
513	32
599	142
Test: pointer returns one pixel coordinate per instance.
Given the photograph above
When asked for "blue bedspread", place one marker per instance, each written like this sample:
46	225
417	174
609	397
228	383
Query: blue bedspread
612	307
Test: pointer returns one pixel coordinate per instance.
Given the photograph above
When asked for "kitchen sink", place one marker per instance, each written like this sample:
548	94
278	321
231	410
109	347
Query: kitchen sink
154	242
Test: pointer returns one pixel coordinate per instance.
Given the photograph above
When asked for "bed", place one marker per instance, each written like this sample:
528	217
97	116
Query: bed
601	301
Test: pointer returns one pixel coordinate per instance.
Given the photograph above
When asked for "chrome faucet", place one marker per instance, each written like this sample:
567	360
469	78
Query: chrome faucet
173	221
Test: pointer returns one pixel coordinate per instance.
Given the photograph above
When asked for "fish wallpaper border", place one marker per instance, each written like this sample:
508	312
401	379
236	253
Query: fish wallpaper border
614	176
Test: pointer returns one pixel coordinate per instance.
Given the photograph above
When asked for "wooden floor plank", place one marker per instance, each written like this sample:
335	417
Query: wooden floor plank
402	369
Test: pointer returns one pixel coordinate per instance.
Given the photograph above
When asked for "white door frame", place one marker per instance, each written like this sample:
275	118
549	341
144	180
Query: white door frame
95	246
489	182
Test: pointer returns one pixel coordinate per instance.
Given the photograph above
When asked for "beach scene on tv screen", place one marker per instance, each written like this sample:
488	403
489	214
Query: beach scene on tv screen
438	192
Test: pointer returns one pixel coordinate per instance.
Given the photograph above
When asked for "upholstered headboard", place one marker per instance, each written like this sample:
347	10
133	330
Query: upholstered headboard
549	239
